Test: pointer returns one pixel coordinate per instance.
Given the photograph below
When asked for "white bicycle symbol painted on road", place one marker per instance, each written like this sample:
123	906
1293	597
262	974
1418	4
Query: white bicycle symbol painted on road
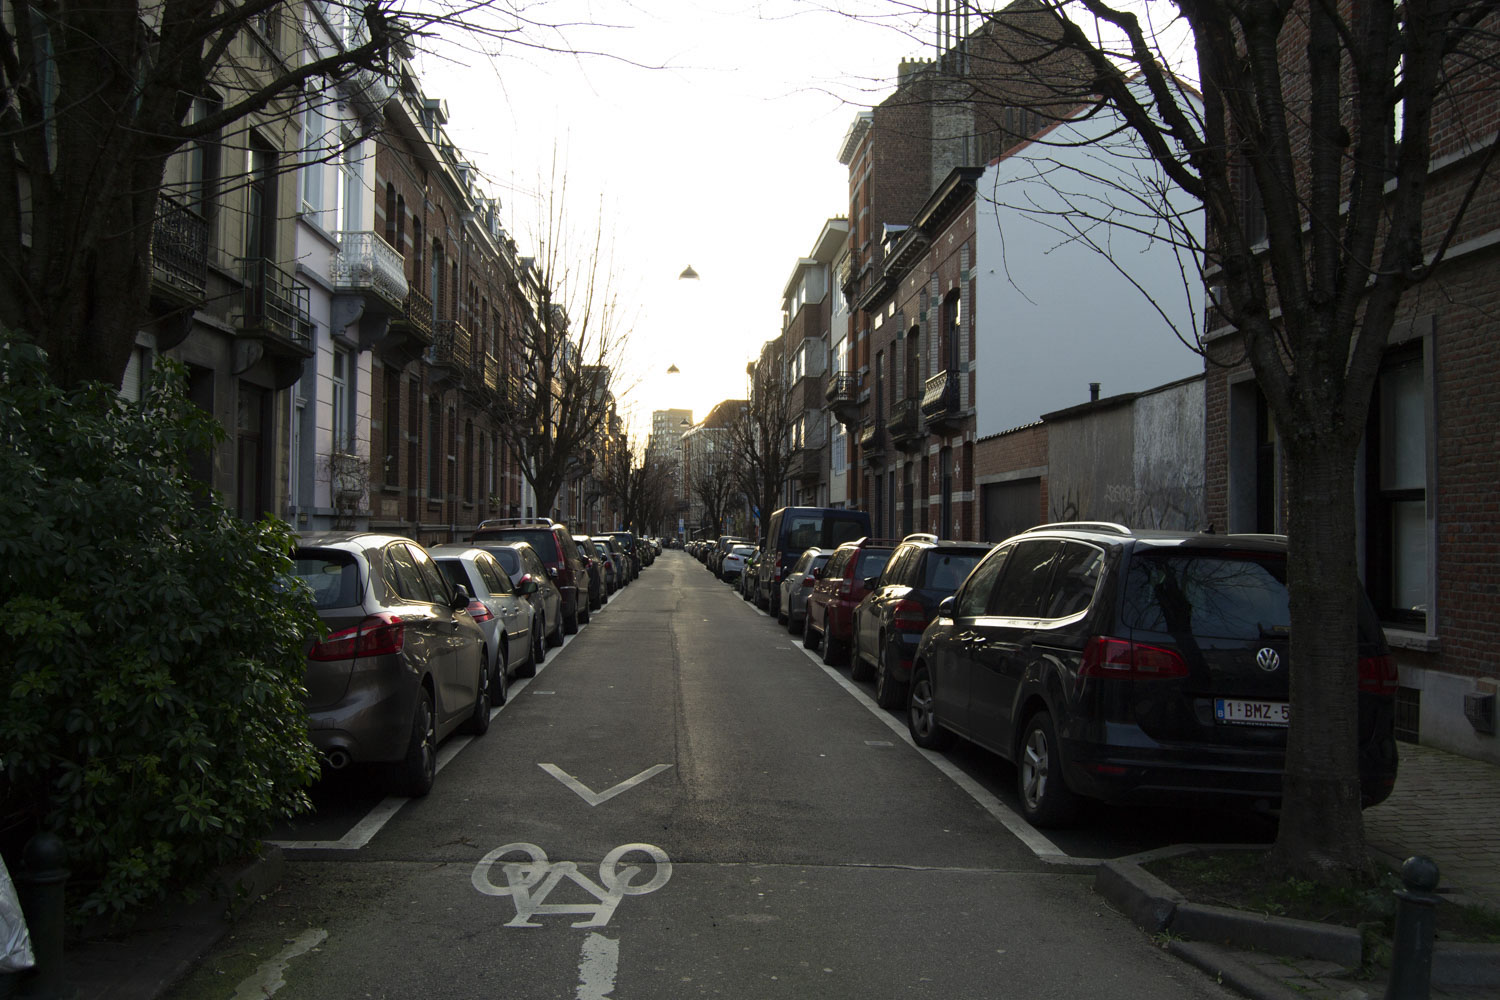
521	876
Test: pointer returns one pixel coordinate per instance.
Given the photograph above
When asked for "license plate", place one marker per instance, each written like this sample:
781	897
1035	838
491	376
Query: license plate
1252	713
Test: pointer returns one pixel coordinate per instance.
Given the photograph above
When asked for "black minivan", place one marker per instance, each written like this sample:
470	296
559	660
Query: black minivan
1133	666
790	532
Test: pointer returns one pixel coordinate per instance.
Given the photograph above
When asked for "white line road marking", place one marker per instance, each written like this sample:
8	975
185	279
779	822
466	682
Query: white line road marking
596	972
592	797
1023	831
267	979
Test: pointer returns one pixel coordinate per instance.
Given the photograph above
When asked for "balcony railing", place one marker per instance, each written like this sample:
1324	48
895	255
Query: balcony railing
274	304
940	396
806	463
416	314
843	387
489	366
872	437
367	263
179	246
905	422
452	345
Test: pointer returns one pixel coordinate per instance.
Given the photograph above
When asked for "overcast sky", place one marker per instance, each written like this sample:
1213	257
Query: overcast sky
725	158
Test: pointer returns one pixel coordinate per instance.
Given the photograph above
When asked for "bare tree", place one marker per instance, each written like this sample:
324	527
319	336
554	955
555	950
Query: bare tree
558	399
713	486
100	96
639	488
1309	145
761	440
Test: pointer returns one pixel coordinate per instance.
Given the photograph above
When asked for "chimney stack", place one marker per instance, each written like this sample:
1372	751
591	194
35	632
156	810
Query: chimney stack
1093	392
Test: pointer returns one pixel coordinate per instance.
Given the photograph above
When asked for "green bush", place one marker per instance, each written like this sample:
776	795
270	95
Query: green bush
153	668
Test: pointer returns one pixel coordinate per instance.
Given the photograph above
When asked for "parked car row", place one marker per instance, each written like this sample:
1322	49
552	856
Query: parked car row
422	642
1104	662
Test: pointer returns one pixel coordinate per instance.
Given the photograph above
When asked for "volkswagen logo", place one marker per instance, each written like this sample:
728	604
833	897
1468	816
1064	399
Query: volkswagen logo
1269	660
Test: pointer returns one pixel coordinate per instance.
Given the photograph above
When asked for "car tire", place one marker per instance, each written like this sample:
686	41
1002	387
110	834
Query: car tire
889	692
781	619
809	637
500	679
538	648
570	619
478	722
921	714
416	771
859	668
833	652
555	637
1046	799
585	615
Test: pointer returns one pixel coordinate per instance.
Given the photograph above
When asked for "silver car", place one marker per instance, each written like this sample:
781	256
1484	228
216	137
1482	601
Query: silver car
521	563
402	665
501	610
796	585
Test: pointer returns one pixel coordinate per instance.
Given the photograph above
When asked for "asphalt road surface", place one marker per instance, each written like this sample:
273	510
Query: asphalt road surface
683	803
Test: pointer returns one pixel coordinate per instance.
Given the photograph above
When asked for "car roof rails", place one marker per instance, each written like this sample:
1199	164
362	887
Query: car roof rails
1108	527
921	536
500	522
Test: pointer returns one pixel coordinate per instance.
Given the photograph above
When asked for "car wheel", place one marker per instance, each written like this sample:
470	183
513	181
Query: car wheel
500	679
809	636
538	648
555	637
921	714
570	619
416	771
1046	799
833	650
781	619
889	692
585	615
478	722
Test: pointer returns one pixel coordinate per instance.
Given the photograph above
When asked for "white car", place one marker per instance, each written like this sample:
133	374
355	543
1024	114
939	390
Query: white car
734	562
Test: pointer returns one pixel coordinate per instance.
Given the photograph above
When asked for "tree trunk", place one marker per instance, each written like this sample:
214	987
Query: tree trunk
1321	835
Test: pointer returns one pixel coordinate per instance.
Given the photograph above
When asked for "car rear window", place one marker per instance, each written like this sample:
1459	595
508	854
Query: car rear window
871	562
540	539
509	560
331	576
1225	596
946	570
804	531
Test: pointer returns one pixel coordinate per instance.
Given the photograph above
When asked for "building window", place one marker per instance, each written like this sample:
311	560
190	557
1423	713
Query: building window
313	152
351	186
339	399
416	249
434	449
392	427
952	320
469	445
391	215
1396	520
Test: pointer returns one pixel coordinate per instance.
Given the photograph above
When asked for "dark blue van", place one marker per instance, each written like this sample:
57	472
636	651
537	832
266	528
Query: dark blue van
792	530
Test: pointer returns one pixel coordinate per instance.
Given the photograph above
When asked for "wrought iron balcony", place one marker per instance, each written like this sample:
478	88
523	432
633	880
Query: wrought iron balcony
179	248
807	464
940	399
843	396
872	442
274	307
489	366
905	423
452	351
366	263
415	316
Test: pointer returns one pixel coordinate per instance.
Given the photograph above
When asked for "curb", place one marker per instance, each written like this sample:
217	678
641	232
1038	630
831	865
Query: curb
1155	906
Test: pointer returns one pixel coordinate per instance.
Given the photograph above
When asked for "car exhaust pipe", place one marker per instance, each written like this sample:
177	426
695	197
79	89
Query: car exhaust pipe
338	758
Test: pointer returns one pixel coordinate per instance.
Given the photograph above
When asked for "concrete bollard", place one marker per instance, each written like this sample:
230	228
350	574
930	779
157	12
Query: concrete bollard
42	884
1416	915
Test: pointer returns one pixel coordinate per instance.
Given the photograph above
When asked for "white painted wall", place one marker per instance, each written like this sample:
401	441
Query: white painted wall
1053	311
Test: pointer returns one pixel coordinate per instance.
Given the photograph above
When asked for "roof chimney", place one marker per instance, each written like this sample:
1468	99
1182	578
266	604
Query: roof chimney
1093	392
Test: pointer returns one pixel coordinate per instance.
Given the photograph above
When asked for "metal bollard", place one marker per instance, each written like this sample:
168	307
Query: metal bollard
41	884
1411	963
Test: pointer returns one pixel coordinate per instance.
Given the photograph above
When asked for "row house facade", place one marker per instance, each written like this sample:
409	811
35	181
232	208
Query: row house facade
346	301
807	324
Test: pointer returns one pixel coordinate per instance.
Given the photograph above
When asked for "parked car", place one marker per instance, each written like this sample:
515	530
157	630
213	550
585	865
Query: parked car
402	665
720	550
796	584
790	532
747	575
609	570
554	545
627	542
1127	666
889	623
620	556
734	561
500	609
590	559
840	588
522	564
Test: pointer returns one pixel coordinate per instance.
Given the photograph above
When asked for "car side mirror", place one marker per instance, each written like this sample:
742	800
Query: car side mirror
552	571
461	597
946	606
870	582
526	586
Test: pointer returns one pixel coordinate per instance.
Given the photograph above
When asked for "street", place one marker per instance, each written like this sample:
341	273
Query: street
684	803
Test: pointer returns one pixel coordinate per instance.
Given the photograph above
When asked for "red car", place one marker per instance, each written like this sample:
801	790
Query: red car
840	588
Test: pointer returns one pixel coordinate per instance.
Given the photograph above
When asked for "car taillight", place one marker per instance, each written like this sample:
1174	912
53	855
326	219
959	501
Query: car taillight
1120	659
908	616
478	611
375	636
808	581
1377	674
846	587
777	569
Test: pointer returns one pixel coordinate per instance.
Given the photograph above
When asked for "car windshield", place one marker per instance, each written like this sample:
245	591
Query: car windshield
331	576
945	571
1227	596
